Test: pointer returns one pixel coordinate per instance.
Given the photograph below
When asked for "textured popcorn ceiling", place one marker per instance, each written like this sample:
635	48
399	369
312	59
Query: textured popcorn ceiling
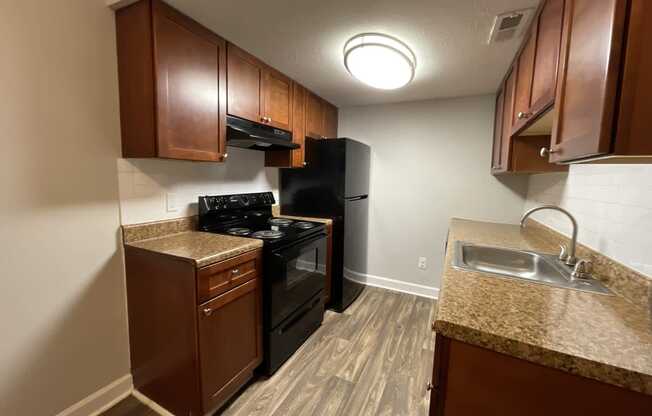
304	39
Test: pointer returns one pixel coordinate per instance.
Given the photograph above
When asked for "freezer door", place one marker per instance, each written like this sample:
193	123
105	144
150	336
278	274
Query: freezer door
356	181
356	227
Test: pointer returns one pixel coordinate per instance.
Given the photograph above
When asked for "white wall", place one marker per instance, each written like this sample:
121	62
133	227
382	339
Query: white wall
430	162
612	204
62	297
145	184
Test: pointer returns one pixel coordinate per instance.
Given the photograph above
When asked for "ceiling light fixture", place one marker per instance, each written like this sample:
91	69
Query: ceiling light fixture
379	61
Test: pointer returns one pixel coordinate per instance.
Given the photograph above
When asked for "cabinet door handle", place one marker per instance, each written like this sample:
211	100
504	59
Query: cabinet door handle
226	155
429	386
305	163
521	115
235	271
208	311
544	152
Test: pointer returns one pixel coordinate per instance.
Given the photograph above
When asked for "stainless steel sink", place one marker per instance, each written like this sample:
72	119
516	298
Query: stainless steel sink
521	264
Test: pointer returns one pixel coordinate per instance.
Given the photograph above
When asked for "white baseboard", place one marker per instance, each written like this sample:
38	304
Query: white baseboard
150	403
102	399
392	284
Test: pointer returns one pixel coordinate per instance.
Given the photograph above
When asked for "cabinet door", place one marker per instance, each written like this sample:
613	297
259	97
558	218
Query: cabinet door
508	111
314	116
330	120
592	42
299	125
230	341
277	99
496	156
190	72
546	56
523	86
245	75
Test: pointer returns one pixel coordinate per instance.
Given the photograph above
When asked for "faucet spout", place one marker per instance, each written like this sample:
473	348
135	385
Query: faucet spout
571	259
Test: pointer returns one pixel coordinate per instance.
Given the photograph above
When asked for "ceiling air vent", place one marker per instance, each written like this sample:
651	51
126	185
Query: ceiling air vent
510	25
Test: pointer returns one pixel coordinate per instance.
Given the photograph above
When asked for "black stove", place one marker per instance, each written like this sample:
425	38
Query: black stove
250	215
294	267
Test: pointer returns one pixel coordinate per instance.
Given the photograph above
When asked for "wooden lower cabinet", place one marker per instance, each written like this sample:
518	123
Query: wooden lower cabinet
189	355
471	381
230	342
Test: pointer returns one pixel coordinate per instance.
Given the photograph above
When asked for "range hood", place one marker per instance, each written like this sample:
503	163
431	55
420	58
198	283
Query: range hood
248	135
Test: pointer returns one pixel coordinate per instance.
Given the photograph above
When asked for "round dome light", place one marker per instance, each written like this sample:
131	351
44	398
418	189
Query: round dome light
379	61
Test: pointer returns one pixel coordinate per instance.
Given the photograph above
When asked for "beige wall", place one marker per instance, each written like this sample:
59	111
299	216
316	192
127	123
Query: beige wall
62	297
430	162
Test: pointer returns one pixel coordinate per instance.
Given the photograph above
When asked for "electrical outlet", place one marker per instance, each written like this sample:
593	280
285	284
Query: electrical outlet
172	202
422	264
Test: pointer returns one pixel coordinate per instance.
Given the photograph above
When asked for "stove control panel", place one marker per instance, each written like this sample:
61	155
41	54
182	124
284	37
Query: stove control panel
236	201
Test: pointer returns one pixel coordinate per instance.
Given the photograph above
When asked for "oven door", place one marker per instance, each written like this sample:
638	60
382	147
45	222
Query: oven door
296	274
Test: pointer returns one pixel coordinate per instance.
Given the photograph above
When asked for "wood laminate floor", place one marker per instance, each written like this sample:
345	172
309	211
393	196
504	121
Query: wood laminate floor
373	359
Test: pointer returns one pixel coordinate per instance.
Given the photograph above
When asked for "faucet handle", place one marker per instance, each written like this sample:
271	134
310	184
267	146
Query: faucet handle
563	254
582	270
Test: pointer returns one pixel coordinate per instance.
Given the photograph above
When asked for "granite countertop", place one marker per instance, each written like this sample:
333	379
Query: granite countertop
200	248
606	338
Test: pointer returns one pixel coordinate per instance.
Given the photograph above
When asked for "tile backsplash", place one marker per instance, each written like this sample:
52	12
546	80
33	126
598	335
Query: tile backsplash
158	189
612	204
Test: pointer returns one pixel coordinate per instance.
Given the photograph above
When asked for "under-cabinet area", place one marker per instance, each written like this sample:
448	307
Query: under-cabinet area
343	208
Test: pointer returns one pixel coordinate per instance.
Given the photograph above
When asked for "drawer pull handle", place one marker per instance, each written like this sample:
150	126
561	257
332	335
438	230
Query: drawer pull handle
429	386
235	271
208	311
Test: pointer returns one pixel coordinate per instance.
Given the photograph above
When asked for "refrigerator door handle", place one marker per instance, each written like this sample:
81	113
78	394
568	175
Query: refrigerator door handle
356	198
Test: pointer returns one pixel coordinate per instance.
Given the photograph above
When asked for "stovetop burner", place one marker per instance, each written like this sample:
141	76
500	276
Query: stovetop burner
283	222
268	234
239	231
304	225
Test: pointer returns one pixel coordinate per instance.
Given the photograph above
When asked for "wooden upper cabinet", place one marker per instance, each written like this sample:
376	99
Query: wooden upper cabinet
586	102
496	155
314	116
546	55
508	111
293	158
330	120
277	99
172	79
523	88
537	66
245	75
321	117
257	92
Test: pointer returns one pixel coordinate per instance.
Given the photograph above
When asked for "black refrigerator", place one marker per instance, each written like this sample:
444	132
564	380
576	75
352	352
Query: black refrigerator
334	184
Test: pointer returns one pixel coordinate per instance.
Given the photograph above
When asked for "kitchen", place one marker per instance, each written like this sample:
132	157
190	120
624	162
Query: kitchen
317	208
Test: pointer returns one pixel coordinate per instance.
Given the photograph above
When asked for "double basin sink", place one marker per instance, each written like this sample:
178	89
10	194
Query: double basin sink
521	264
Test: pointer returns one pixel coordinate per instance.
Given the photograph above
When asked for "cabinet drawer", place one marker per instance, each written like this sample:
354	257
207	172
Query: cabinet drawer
221	277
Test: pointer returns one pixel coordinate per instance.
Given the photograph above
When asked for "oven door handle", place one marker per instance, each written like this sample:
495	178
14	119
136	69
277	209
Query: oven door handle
303	244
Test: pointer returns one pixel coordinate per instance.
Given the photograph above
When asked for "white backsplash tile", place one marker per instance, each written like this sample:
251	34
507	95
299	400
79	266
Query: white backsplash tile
612	204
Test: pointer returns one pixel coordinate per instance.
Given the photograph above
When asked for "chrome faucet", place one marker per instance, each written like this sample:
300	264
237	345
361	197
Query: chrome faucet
569	259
